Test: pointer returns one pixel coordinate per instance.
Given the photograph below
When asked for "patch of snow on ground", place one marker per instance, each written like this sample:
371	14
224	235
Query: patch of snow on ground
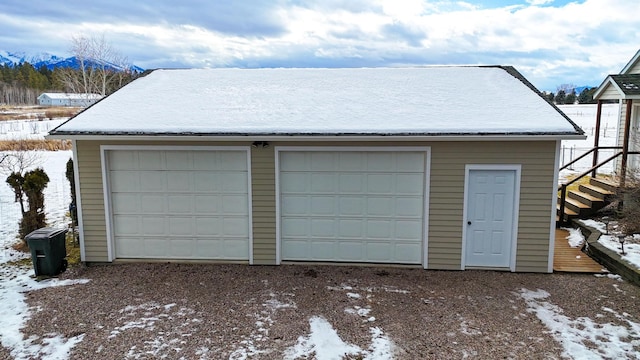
632	251
583	338
611	242
575	238
325	343
145	316
249	346
14	313
16	280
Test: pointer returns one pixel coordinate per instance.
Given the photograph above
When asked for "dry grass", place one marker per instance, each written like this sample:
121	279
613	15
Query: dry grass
24	145
36	112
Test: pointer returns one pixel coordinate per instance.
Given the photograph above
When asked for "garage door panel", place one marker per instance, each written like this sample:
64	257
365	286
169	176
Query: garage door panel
294	205
353	206
149	181
184	248
410	162
125	181
127	225
380	206
234	204
126	203
207	204
235	248
352	183
233	226
148	160
232	161
294	182
179	160
152	225
294	227
409	184
351	161
123	160
408	230
206	181
378	252
234	182
322	183
179	204
323	250
408	206
348	228
180	226
380	184
152	203
379	229
410	253
208	226
351	251
322	205
322	227
380	161
321	161
179	181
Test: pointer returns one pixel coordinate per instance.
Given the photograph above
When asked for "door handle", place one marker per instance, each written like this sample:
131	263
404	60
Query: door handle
468	222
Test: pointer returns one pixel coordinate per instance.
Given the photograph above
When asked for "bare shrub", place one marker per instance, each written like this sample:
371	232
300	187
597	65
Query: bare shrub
629	208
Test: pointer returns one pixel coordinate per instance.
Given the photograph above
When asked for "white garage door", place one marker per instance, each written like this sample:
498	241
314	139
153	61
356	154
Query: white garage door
179	204
352	206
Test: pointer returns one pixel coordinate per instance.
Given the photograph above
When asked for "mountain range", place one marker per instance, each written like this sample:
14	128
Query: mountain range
50	61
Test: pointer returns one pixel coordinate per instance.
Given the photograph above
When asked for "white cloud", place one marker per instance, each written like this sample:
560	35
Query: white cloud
539	2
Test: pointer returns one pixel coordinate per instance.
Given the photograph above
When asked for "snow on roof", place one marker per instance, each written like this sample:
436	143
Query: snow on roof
70	96
292	101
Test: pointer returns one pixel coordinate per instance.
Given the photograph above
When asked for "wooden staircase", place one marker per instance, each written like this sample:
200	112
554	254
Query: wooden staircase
585	201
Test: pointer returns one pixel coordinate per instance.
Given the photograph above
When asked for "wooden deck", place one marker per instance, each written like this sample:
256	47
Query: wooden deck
568	259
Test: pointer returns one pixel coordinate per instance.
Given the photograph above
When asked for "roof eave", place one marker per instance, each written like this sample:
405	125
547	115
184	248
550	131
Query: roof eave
321	137
631	63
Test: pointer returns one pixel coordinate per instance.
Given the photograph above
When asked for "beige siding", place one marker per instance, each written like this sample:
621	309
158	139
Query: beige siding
447	193
448	160
263	184
92	201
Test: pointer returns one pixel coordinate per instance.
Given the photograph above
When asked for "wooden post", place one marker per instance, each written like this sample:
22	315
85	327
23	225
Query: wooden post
596	140
625	144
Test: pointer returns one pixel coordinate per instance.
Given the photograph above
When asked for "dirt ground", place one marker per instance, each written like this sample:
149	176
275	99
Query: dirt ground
198	311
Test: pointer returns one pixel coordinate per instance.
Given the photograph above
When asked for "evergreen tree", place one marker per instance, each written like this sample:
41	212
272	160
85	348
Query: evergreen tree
570	99
560	97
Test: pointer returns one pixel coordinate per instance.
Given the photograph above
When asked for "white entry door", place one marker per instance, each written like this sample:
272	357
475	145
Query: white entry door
490	214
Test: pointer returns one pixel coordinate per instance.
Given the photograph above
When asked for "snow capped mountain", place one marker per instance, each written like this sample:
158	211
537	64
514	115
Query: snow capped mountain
50	61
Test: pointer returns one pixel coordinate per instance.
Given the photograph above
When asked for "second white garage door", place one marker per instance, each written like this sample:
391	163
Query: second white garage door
179	204
352	206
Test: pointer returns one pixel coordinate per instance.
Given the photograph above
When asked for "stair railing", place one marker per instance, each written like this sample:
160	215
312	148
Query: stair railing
563	187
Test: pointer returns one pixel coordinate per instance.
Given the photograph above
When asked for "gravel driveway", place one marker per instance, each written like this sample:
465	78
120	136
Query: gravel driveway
196	311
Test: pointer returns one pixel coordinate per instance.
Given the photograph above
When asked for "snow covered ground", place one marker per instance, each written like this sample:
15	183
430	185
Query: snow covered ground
612	242
585	117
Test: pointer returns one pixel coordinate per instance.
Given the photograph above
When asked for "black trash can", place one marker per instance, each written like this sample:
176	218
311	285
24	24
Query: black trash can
48	251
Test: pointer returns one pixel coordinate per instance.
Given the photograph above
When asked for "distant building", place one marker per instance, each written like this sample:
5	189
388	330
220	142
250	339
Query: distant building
68	99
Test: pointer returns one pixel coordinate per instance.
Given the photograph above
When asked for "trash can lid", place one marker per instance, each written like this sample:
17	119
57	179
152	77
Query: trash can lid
44	233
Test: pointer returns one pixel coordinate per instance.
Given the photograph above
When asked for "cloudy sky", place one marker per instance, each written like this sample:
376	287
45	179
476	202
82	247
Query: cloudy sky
551	42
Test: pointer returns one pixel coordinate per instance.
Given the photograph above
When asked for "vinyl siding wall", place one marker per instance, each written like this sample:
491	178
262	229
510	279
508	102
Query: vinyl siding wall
448	160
